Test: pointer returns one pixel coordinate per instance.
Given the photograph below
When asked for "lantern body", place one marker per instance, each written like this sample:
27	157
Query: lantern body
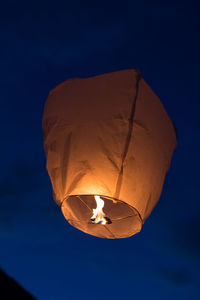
107	135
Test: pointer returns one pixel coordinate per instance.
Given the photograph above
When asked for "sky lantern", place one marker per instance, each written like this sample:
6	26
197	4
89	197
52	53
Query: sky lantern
108	142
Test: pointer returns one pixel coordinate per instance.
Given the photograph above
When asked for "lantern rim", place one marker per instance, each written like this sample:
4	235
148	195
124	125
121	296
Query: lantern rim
126	220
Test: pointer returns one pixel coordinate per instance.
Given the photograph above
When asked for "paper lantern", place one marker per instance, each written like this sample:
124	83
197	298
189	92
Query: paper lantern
108	143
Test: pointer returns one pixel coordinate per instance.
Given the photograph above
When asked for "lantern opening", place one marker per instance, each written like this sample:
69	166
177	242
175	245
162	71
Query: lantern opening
79	211
98	214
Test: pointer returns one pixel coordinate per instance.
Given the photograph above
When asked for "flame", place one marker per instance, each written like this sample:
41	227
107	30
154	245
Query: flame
98	214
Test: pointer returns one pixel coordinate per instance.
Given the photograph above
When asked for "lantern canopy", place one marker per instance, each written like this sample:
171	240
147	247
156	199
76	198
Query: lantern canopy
107	136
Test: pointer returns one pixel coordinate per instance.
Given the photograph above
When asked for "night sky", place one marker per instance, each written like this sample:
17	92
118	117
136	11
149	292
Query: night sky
46	42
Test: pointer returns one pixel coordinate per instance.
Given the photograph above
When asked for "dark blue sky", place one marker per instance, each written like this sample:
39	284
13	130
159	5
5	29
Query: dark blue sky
46	42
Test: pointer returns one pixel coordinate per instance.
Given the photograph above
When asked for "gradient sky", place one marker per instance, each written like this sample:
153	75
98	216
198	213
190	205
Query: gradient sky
46	42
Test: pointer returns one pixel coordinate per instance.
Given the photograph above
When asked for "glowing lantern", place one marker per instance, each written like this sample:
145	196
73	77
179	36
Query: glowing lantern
108	142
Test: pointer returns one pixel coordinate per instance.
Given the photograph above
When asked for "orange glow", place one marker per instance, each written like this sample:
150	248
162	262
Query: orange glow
98	214
109	142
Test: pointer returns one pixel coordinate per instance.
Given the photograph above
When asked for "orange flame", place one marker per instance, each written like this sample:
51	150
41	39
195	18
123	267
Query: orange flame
98	214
